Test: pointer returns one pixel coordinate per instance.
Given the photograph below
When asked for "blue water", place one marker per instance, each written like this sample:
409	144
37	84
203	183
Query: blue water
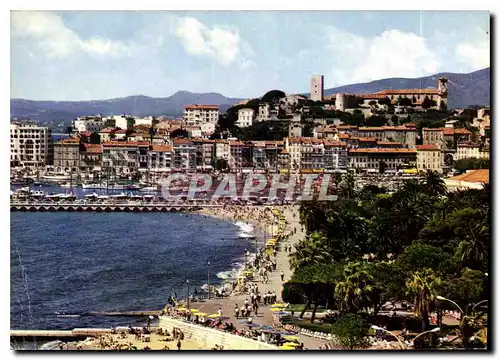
81	262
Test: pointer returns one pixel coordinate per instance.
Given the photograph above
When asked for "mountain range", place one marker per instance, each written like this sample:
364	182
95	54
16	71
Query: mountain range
464	89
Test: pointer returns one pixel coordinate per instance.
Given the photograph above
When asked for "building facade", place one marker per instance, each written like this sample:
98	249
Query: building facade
246	117
67	155
88	123
372	160
184	154
30	145
429	157
198	114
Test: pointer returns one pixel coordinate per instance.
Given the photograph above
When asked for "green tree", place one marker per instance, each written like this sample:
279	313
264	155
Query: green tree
355	290
423	286
434	184
384	101
350	330
95	138
179	133
405	102
428	103
273	96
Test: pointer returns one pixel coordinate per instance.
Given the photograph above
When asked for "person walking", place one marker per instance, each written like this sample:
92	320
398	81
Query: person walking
282	274
236	311
178	345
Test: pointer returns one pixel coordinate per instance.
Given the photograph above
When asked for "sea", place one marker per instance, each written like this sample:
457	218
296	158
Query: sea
75	263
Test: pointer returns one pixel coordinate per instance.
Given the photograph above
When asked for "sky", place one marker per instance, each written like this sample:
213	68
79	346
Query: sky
96	55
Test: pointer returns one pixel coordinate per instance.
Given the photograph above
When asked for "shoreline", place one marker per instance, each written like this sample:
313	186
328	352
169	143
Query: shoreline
259	231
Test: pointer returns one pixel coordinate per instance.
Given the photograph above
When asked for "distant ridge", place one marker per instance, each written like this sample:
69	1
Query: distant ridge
464	89
137	105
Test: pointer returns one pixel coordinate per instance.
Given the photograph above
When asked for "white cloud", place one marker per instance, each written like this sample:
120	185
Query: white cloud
477	56
393	53
222	44
53	38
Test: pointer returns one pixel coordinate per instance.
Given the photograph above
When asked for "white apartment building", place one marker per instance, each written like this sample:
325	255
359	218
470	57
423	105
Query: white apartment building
245	117
88	123
467	150
199	114
222	149
429	157
30	145
119	121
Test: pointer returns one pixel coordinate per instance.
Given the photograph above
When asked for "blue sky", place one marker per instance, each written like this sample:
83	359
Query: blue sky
87	55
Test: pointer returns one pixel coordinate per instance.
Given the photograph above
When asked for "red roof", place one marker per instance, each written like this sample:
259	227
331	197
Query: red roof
461	131
181	141
93	148
161	148
201	107
388	143
367	139
107	130
121	143
447	131
343	136
86	133
372	150
427	147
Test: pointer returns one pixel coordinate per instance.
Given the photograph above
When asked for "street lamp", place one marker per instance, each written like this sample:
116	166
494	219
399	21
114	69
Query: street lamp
209	280
187	283
435	330
481	302
442	298
375	327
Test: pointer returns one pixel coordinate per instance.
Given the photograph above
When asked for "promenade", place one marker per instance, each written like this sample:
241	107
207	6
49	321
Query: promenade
265	316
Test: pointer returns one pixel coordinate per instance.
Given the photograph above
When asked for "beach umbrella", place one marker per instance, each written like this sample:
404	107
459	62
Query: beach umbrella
288	332
281	305
253	325
290	344
201	314
193	311
281	313
213	316
291	337
266	327
275	309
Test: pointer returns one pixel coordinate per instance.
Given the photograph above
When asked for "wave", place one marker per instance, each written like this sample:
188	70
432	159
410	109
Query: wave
246	229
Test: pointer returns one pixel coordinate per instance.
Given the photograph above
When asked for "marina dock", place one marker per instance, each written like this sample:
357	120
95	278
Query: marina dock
93	207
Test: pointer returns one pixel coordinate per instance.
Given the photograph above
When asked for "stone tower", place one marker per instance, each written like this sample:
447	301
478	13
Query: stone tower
317	88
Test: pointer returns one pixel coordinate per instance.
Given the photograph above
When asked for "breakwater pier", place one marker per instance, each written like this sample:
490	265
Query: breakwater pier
107	207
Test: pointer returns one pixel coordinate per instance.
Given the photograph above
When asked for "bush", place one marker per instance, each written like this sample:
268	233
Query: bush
350	331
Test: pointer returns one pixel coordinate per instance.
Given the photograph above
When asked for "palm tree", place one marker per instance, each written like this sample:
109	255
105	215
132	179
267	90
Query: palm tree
423	285
473	249
355	291
434	184
310	250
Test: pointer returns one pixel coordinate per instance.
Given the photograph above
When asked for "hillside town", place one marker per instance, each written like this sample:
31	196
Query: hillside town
383	138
